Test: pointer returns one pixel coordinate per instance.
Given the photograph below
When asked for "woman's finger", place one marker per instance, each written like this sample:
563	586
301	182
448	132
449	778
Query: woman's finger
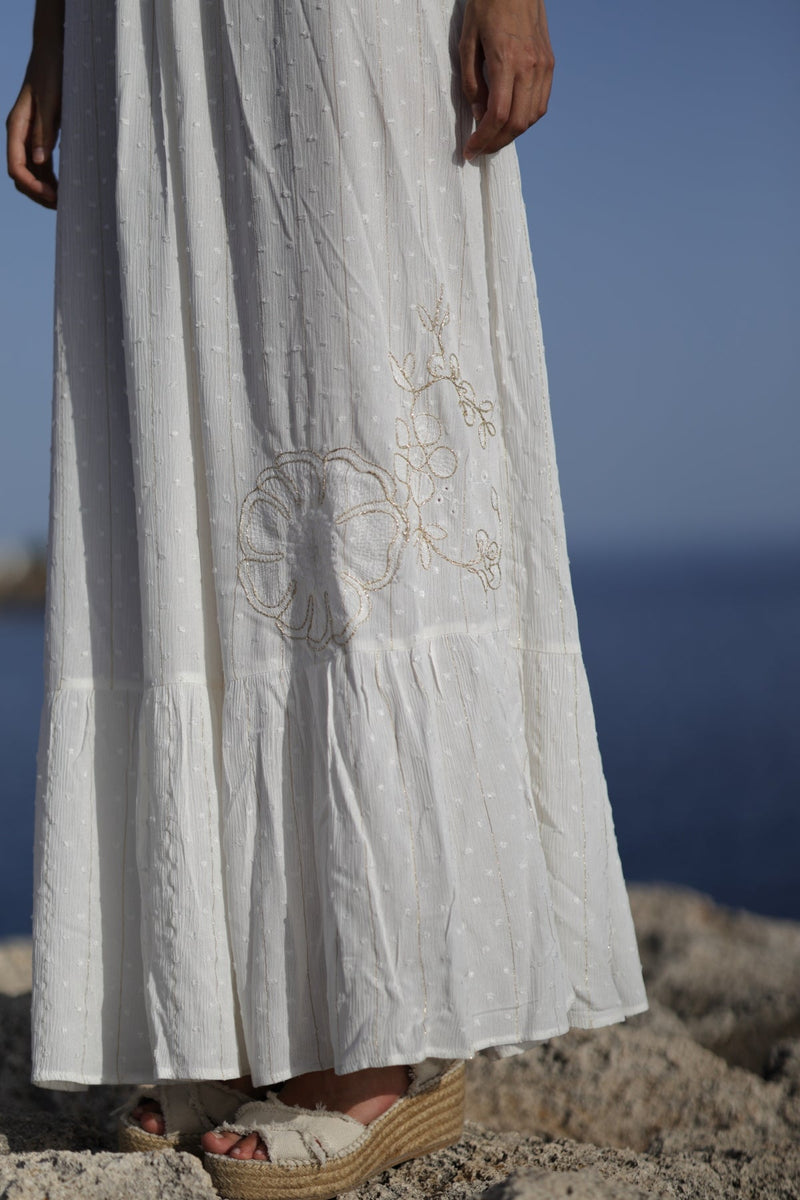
528	105
44	131
473	83
502	76
18	128
35	180
518	121
542	88
498	108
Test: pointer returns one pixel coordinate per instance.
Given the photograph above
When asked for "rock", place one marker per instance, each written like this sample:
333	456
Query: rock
463	1172
15	1048
27	1130
732	977
33	1118
628	1084
63	1175
783	1066
22	578
784	1062
15	966
567	1185
483	1158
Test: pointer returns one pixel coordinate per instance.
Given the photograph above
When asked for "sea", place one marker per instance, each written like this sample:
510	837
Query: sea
693	660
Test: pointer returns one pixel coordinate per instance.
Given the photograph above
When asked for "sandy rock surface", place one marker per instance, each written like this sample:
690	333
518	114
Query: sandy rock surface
587	1184
15	967
66	1175
699	1099
732	977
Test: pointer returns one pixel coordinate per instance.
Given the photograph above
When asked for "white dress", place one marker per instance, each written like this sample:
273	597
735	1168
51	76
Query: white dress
318	775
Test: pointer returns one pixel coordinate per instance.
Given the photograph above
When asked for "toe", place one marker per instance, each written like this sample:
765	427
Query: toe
260	1152
152	1122
244	1148
148	1115
219	1143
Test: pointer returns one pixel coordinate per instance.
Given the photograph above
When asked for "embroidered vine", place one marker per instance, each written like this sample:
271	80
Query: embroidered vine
320	532
422	457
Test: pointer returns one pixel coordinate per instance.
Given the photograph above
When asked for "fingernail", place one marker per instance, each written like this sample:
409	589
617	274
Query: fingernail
39	155
477	112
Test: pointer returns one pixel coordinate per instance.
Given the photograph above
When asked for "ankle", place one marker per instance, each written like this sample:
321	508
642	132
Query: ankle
363	1095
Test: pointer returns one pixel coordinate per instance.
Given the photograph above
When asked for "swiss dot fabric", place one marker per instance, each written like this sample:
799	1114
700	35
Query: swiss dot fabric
318	776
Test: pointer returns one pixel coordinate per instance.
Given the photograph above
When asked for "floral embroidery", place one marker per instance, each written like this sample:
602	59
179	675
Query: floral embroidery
444	367
319	533
422	458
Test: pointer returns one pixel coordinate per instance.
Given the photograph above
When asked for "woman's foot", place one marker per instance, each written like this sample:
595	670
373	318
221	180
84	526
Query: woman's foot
363	1095
148	1114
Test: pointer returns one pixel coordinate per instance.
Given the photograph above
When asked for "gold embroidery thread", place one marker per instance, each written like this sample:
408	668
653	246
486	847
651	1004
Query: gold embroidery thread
295	564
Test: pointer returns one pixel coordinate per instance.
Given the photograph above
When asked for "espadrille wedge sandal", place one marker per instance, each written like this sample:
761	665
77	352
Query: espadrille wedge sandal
189	1111
315	1155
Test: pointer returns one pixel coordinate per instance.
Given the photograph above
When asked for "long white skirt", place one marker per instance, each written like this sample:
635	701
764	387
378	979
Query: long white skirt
318	775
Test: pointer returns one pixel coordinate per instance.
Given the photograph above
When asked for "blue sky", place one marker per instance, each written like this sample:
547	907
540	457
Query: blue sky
663	189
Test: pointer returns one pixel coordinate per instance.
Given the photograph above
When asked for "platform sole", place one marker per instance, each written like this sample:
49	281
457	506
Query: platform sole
415	1125
132	1138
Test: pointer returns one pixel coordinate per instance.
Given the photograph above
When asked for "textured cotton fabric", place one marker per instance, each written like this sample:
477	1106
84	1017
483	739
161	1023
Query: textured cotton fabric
318	776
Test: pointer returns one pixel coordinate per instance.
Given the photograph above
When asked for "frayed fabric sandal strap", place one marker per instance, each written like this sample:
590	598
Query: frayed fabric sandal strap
197	1107
319	1155
189	1110
295	1134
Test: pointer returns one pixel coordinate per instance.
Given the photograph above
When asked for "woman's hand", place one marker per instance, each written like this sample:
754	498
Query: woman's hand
510	37
33	123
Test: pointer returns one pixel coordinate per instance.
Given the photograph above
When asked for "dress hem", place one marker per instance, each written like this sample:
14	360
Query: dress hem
490	1048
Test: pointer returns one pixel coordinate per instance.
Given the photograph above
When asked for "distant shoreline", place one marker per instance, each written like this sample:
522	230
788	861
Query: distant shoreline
22	581
23	571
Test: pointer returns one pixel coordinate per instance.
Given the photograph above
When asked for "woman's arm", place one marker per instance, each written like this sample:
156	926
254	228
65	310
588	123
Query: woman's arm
33	123
510	37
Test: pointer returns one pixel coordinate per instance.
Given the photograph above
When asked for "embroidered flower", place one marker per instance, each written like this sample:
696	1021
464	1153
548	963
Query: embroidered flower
421	459
318	534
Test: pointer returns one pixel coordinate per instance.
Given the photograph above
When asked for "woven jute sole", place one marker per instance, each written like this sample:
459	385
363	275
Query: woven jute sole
415	1125
131	1137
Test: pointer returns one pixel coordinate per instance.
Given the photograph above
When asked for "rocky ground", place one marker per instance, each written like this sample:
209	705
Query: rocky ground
697	1099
